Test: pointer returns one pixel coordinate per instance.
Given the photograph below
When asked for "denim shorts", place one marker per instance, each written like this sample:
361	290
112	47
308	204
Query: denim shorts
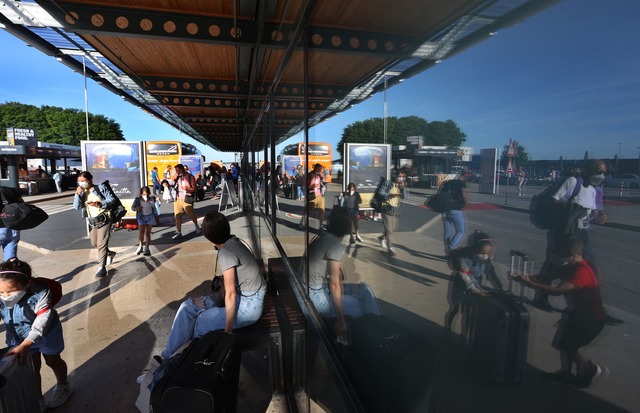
52	343
147	220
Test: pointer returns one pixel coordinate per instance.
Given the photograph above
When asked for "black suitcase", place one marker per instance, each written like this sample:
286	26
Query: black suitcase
498	338
286	190
19	387
200	194
393	368
204	378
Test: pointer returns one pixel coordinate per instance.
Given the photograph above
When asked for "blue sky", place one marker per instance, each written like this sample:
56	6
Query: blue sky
562	82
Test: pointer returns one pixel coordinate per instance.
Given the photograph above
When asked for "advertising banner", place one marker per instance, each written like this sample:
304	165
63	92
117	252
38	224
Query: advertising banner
118	162
193	163
364	164
22	136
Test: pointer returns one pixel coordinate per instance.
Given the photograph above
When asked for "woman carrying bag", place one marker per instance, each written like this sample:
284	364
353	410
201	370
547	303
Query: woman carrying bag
94	202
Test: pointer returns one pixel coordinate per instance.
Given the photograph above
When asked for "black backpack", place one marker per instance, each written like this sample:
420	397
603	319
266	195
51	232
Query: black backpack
545	212
116	208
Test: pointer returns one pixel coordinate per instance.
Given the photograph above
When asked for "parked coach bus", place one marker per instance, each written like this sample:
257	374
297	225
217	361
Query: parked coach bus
163	153
319	152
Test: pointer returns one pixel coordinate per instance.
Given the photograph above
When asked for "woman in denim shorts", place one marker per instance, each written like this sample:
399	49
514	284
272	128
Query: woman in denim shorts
147	209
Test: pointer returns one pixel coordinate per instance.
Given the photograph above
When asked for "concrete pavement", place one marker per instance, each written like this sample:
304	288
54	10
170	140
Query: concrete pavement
114	325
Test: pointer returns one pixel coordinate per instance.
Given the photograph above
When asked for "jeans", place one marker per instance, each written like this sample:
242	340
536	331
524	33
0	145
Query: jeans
9	239
194	321
300	193
453	222
358	299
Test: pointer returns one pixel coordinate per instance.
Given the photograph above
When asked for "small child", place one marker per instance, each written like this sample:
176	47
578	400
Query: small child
584	320
146	207
167	191
32	326
471	265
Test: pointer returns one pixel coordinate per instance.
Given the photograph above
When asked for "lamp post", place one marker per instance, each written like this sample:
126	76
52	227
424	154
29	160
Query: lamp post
86	97
385	109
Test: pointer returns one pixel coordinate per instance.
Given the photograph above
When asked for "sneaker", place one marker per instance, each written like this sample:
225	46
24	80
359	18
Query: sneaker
198	231
542	304
358	238
178	235
383	242
139	250
352	240
392	252
110	256
589	375
60	394
140	379
147	252
612	321
102	271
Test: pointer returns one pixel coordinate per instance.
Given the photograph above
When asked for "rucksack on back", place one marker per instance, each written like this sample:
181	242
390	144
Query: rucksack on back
544	211
117	209
55	288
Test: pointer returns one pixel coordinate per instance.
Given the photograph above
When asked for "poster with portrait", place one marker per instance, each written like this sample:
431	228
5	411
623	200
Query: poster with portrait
365	164
121	163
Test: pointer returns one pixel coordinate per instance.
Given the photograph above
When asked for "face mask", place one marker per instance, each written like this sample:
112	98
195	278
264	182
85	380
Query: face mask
83	184
596	180
351	192
11	300
144	197
483	257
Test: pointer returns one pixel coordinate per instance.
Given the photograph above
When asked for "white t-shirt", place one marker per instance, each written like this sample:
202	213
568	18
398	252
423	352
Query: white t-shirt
586	198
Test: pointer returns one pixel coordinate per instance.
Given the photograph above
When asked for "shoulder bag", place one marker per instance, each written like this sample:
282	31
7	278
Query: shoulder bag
20	215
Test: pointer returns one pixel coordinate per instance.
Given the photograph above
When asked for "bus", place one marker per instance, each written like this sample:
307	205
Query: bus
163	153
319	152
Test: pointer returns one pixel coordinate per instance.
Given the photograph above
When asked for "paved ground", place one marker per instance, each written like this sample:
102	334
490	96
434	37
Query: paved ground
114	325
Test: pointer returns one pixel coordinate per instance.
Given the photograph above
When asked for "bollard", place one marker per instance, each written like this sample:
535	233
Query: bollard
621	188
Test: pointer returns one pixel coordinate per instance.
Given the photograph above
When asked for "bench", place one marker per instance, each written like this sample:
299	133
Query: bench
280	329
291	318
265	333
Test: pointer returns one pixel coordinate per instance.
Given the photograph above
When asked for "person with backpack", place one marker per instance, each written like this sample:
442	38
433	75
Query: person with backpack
95	203
33	326
186	188
580	206
471	265
393	192
453	219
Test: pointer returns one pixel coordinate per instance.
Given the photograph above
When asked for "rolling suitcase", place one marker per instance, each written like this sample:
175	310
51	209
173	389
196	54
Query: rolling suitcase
498	332
19	390
394	368
203	378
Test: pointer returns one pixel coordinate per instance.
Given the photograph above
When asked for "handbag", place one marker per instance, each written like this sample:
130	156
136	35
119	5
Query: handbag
20	215
440	202
189	199
217	290
217	287
99	221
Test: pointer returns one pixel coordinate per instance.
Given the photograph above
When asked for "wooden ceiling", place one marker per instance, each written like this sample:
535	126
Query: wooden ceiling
221	67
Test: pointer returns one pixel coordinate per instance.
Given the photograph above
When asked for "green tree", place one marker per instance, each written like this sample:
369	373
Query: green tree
59	125
372	131
521	159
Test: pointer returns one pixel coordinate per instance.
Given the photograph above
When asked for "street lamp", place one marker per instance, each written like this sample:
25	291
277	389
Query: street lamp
86	97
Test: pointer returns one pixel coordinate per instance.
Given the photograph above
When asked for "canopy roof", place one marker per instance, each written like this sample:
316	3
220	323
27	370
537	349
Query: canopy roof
215	69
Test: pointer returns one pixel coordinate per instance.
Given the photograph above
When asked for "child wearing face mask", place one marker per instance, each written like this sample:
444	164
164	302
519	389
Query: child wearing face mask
32	326
146	207
351	200
471	264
